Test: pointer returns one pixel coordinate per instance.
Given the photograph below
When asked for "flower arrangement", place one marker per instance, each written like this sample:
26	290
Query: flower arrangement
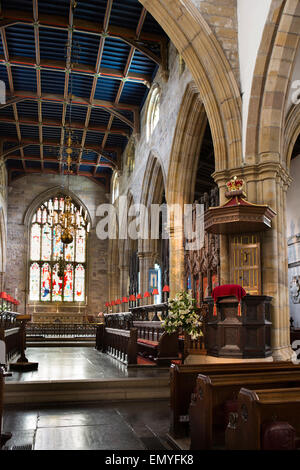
183	315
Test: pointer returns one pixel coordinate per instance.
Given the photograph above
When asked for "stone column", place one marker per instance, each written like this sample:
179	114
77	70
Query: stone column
272	191
124	280
176	269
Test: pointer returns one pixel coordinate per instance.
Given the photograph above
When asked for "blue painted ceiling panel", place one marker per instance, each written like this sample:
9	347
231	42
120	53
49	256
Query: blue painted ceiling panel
115	54
106	89
32	151
99	117
28	109
51	133
8	130
29	131
80	85
94	138
20	41
53	82
85	49
53	44
52	110
24	78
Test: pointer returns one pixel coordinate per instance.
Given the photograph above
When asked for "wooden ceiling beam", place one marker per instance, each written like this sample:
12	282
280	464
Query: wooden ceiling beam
57	124
12	17
56	172
77	69
54	160
108	106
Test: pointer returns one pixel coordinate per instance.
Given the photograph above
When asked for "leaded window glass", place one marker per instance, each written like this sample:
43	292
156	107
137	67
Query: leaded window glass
48	254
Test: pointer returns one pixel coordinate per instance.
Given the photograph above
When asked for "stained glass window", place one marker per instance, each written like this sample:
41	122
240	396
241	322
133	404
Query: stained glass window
48	256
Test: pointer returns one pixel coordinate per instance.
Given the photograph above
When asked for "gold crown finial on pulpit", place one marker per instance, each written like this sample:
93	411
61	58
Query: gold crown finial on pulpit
235	187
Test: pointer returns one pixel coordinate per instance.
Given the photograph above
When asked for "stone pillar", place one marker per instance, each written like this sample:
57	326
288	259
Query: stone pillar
114	283
176	269
272	191
124	280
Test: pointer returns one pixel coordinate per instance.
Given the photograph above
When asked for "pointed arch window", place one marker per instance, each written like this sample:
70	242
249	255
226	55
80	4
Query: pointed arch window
57	272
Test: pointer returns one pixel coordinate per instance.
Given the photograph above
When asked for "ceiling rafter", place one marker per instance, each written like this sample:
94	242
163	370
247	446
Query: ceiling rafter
68	71
77	69
108	106
11	88
28	142
54	172
13	17
95	80
74	126
35	9
125	73
54	160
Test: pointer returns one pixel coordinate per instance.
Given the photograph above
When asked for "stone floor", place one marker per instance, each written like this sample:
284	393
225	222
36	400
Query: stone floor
78	363
119	426
125	425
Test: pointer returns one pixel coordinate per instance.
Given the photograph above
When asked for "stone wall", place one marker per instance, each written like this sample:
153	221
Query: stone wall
161	140
221	15
21	195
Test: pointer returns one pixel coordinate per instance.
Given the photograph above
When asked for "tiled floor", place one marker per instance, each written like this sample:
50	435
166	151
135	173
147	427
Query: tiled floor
76	363
120	426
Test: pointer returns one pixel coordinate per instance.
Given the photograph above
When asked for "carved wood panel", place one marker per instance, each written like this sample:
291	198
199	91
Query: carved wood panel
202	266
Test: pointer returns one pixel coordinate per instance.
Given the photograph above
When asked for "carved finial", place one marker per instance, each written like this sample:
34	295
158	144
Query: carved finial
235	187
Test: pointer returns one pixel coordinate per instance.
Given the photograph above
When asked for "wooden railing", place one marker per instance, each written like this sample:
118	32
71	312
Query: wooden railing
61	330
150	312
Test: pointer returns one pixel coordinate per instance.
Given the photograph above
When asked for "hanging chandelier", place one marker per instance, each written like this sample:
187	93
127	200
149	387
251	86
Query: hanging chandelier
66	218
63	214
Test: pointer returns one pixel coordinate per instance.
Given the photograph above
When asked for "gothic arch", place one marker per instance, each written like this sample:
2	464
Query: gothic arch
191	123
271	84
206	60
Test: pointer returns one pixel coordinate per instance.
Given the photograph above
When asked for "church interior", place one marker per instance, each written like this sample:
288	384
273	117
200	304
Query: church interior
149	225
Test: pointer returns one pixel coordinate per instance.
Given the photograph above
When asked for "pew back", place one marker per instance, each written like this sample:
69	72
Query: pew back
183	382
258	407
208	417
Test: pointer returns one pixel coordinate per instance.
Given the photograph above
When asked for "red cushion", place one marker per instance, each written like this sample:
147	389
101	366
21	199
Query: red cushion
147	341
228	290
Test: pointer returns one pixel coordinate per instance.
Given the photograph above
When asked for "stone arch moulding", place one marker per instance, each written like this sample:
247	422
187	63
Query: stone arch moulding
47	194
154	180
206	60
271	84
291	133
190	127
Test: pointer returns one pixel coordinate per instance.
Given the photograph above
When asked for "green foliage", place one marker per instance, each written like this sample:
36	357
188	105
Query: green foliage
183	315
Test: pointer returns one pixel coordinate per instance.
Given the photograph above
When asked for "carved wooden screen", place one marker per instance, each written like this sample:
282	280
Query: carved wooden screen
245	262
202	266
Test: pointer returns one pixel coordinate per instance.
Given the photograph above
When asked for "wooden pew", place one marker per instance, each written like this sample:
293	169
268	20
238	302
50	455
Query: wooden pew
216	396
119	343
257	409
155	344
183	382
146	338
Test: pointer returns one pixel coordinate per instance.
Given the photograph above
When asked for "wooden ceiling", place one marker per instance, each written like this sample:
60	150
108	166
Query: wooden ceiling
83	67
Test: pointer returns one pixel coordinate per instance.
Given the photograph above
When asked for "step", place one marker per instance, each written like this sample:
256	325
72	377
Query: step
80	391
60	344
